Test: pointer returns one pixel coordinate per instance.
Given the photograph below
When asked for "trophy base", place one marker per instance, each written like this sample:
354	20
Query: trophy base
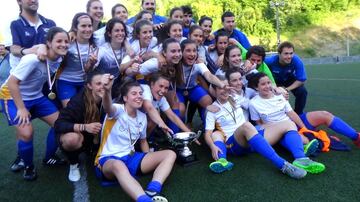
187	161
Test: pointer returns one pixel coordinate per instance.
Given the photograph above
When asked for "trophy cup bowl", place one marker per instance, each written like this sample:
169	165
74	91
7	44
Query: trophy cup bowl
182	140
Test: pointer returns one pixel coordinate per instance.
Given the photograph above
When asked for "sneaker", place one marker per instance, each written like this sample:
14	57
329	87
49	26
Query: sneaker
293	171
311	147
17	165
221	165
54	161
309	165
30	173
74	173
155	196
357	141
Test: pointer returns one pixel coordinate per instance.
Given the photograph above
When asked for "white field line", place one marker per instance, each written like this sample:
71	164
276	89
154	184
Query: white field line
81	189
333	79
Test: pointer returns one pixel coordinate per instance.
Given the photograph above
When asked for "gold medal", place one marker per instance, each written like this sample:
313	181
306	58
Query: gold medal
52	95
132	152
186	93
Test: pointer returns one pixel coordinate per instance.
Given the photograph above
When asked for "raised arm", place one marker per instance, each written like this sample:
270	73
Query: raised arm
107	80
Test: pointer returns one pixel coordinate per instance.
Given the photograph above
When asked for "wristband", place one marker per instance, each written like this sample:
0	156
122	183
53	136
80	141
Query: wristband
22	51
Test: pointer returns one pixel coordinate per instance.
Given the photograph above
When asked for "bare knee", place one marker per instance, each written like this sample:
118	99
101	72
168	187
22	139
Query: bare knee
25	134
326	116
170	155
205	101
71	141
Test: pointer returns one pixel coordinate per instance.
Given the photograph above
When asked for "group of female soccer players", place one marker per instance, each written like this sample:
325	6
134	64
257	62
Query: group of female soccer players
114	81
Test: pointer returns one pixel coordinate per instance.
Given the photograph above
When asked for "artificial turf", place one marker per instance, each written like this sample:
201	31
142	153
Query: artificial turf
334	88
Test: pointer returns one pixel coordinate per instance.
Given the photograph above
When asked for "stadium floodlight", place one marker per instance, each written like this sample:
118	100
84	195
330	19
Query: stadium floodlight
277	4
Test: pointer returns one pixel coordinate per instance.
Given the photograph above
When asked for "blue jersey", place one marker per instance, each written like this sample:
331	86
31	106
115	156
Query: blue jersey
282	73
26	35
157	19
238	36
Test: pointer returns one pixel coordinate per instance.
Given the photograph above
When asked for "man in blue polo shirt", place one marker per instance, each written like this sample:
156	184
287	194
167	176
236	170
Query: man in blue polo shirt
150	5
289	71
228	22
28	31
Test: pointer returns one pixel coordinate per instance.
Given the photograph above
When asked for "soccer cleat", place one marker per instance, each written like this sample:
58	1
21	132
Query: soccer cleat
54	161
311	147
74	173
17	165
155	196
309	165
30	173
293	171
357	141
220	165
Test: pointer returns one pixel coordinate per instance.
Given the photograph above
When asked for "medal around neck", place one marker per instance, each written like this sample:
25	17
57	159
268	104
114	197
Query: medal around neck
52	95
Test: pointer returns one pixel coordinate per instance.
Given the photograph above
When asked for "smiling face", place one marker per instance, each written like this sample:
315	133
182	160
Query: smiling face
235	81
187	19
221	44
190	54
207	27
173	53
96	87
286	55
117	34
121	13
96	11
197	36
159	88
256	59
84	28
145	35
176	32
149	5
30	6
229	23
59	45
234	58
134	98
177	15
264	87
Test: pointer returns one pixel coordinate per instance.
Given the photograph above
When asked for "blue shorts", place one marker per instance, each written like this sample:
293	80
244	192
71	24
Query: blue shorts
195	94
235	148
66	89
132	162
38	108
306	122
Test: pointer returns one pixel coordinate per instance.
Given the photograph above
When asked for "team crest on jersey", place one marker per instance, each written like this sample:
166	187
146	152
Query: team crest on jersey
46	30
27	33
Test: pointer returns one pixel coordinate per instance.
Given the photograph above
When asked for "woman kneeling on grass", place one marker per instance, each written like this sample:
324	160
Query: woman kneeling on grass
117	156
79	122
274	114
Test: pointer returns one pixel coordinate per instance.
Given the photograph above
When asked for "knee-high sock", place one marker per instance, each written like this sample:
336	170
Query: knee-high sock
26	151
172	125
51	144
144	198
259	144
222	147
340	126
154	186
292	142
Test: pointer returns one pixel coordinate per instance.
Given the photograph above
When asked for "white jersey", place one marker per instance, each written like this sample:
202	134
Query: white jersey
161	104
32	74
124	133
110	62
135	45
227	119
73	70
149	66
242	101
99	38
190	81
269	110
214	55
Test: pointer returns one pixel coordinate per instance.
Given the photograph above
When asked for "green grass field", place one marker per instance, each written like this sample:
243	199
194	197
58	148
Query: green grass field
331	87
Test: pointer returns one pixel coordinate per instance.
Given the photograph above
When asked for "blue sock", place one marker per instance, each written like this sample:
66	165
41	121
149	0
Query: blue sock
172	125
222	147
154	186
292	142
259	144
340	126
144	198
26	151
51	144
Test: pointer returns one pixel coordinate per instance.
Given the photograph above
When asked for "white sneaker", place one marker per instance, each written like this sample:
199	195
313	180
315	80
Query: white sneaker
74	173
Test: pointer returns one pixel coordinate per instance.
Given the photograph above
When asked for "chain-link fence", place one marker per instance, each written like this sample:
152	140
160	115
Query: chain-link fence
332	60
